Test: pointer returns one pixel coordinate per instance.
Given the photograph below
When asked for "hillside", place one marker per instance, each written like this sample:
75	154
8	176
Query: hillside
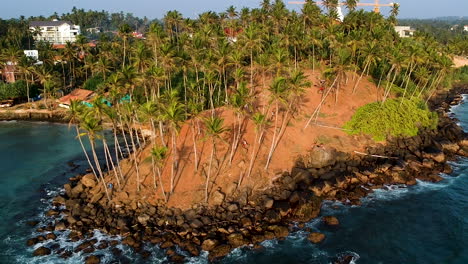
296	141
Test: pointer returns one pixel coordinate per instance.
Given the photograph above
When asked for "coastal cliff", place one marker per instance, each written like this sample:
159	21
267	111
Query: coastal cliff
250	216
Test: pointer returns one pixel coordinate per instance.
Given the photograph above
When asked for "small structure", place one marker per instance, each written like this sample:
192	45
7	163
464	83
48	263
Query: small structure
138	35
232	34
81	95
465	28
54	32
33	54
404	31
94	30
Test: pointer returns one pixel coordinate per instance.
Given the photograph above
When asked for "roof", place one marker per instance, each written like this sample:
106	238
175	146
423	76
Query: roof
48	23
76	95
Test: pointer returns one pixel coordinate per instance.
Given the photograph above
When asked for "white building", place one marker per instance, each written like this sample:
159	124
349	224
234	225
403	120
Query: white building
55	32
404	31
465	28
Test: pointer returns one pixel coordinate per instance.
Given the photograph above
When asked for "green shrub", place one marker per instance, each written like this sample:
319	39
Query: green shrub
395	117
461	74
13	90
93	82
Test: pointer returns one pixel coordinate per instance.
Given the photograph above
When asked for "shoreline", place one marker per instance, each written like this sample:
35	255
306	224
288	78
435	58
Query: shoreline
296	197
56	116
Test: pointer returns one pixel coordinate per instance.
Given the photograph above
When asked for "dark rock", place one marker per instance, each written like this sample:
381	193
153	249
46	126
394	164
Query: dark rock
236	240
51	236
209	244
330	220
66	254
272	216
268	203
219	252
32	223
307	211
145	254
32	242
41	251
316	237
166	244
52	213
60	226
196	223
279	231
93	259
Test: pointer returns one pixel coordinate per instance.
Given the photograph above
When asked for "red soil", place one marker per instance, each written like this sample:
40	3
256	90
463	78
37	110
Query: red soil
296	141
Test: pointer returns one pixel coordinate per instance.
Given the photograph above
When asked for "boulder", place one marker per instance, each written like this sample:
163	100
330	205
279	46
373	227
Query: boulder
217	198
143	219
236	240
196	223
279	231
209	244
306	212
93	259
330	220
60	226
32	242
232	207
42	251
51	236
268	203
321	157
219	252
316	237
89	180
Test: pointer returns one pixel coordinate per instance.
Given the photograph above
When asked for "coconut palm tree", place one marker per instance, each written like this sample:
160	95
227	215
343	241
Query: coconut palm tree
158	155
214	129
92	128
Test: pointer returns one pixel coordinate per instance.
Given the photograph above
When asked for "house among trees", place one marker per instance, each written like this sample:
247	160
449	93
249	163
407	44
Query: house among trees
404	31
80	95
54	32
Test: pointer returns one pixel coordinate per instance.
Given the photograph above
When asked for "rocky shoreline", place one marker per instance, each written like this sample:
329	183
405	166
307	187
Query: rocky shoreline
57	116
248	218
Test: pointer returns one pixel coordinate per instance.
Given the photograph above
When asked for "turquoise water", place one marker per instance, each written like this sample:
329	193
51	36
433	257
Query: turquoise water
426	223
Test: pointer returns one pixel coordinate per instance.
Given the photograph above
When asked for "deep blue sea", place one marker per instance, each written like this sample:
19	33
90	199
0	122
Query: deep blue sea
426	223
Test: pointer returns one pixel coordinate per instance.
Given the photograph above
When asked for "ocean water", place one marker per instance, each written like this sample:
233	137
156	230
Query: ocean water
425	223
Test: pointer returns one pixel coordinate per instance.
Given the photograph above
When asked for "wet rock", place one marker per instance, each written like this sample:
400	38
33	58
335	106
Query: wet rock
77	190
145	254
192	249
130	241
177	258
52	213
103	245
246	222
306	212
236	240
272	216
219	252
316	237
89	180
51	236
60	226
93	259
279	231
32	242
166	244
66	254
41	251
330	220
32	223
209	244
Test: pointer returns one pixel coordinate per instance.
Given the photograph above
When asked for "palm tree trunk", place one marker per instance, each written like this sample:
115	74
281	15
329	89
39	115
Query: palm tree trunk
86	153
194	146
106	150
98	167
174	160
209	172
273	140
360	77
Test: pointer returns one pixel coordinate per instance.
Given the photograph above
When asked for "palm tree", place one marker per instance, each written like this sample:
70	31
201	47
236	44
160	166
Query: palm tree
158	155
75	114
93	128
124	33
260	122
214	128
173	113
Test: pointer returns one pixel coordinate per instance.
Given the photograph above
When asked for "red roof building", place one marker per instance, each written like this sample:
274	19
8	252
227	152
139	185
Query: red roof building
76	95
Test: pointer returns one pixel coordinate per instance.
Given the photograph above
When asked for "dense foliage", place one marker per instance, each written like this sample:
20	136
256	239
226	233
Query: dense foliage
187	66
18	89
394	117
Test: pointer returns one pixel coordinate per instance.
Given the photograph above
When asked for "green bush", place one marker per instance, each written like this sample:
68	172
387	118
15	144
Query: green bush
395	117
13	90
93	82
461	74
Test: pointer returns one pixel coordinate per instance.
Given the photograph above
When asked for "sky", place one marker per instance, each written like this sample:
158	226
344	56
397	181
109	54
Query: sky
191	8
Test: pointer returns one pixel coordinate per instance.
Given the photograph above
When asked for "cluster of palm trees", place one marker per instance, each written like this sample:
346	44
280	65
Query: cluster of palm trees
187	68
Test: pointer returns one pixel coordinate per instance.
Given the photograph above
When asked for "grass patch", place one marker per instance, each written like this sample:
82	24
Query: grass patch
395	117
